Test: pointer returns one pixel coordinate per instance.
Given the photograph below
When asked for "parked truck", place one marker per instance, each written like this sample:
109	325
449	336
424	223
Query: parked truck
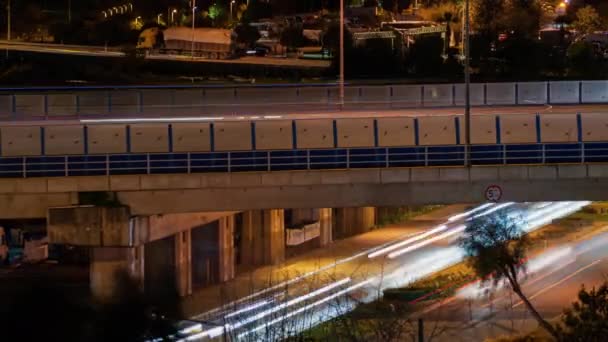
203	42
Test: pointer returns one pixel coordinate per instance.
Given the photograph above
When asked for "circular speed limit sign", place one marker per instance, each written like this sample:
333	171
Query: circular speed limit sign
493	193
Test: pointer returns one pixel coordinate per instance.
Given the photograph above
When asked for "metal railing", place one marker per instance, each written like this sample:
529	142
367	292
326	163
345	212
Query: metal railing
313	159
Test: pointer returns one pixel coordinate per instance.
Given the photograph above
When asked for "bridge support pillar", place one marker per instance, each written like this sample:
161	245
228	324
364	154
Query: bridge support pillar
262	238
353	221
226	257
326	226
111	266
183	263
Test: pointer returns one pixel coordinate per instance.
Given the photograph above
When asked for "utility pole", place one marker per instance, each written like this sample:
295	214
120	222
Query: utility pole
69	11
467	84
341	80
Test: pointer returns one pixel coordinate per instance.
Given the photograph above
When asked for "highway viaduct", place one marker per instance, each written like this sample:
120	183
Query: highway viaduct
162	189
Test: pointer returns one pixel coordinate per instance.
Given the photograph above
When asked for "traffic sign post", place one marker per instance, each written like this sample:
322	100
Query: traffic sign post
493	193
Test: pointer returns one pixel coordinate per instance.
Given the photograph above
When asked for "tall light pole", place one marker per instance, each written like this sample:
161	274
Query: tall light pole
8	24
69	11
158	18
341	77
193	20
467	84
231	4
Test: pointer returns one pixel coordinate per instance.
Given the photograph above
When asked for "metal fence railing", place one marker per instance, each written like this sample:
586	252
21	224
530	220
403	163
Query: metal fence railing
312	159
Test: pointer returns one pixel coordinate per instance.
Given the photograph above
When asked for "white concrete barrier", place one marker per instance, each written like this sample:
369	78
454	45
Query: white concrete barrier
232	136
594	127
29	104
436	130
191	137
517	129
558	128
483	129
61	104
500	94
438	95
21	141
375	94
407	95
93	103
149	138
355	132
125	102
531	93
477	94
61	140
564	92
594	91
273	135
316	95
107	139
317	133
396	132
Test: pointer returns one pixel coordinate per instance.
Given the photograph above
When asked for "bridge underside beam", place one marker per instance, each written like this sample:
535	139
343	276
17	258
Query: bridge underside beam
160	194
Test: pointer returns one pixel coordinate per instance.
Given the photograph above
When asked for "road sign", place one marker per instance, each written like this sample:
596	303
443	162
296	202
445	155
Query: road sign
493	193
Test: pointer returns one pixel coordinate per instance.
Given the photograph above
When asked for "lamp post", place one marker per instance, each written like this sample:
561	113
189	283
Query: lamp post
173	16
8	23
467	84
158	18
231	5
193	20
341	77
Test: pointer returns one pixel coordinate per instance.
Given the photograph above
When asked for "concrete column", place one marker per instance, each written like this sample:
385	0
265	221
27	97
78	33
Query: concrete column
226	248
274	236
109	264
262	238
353	221
183	263
326	225
303	216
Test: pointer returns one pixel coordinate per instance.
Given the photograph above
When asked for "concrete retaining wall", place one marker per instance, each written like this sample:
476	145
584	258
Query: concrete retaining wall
436	130
149	138
273	135
355	132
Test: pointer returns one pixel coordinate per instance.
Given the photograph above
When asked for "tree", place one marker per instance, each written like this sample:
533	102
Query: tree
247	34
587	20
293	35
587	319
496	246
257	10
582	59
424	58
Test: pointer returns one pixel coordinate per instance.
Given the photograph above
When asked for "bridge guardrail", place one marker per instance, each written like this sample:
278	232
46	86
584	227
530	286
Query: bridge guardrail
167	101
306	159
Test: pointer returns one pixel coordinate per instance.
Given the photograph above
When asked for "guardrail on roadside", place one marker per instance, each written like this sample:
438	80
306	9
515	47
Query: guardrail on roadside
304	159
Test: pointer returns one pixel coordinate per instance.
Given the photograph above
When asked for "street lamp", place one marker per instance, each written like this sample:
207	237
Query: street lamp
193	20
467	84
172	15
341	77
137	19
158	18
8	23
231	5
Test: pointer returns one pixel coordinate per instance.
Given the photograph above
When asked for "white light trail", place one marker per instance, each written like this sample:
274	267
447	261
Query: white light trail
408	241
191	329
136	120
426	242
307	307
491	210
289	303
248	308
467	213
